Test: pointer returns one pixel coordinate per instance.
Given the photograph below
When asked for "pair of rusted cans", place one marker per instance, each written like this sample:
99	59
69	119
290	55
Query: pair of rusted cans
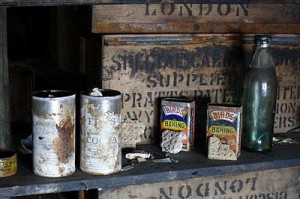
54	126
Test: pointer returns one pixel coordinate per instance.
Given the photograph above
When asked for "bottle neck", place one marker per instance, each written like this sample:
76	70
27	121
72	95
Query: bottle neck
262	58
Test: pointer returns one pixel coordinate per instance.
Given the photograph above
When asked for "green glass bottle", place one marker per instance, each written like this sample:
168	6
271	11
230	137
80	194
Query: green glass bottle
259	98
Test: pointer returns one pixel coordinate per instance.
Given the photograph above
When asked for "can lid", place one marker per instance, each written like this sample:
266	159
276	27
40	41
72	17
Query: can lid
104	93
53	93
262	40
6	153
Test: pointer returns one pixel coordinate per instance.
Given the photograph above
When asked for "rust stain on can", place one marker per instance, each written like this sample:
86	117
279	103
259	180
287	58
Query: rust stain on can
63	144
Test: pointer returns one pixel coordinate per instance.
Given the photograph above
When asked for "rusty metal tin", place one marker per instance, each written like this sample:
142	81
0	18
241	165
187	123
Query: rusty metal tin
100	122
53	113
178	114
8	163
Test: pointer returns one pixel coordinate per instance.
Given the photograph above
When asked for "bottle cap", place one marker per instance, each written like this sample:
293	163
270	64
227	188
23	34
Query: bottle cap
262	41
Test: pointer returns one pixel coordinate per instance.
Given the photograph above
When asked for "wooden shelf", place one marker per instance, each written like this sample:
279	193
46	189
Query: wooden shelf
188	166
192	164
94	2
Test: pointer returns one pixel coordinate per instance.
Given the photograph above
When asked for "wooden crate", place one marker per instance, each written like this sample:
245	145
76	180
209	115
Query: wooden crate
210	68
169	17
278	183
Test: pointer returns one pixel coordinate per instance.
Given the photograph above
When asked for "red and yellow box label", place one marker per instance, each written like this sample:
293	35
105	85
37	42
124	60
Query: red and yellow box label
224	131
178	114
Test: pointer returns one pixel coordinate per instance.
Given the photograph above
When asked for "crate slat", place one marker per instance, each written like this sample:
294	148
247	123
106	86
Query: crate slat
196	18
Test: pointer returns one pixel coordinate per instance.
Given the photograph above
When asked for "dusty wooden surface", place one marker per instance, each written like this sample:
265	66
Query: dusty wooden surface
190	165
210	68
92	2
279	183
196	18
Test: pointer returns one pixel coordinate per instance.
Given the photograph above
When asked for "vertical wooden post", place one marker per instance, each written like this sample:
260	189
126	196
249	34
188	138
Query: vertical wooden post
4	85
68	40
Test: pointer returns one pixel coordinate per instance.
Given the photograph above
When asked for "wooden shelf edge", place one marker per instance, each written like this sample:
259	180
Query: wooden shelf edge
95	2
150	172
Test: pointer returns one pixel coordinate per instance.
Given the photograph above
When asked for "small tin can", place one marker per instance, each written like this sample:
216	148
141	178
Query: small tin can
8	163
224	125
53	113
178	114
100	122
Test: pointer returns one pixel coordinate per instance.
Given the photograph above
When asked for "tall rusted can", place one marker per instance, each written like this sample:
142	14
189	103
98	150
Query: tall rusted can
53	116
100	121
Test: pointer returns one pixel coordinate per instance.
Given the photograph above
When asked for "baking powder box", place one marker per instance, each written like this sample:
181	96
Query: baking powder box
178	114
224	125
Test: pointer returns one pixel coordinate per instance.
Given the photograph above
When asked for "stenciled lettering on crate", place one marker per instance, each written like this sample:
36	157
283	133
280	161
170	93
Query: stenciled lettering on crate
210	68
198	18
287	61
275	184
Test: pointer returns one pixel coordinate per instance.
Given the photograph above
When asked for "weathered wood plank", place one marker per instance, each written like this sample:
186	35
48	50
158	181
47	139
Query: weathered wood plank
94	2
4	87
209	68
196	18
67	37
279	184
